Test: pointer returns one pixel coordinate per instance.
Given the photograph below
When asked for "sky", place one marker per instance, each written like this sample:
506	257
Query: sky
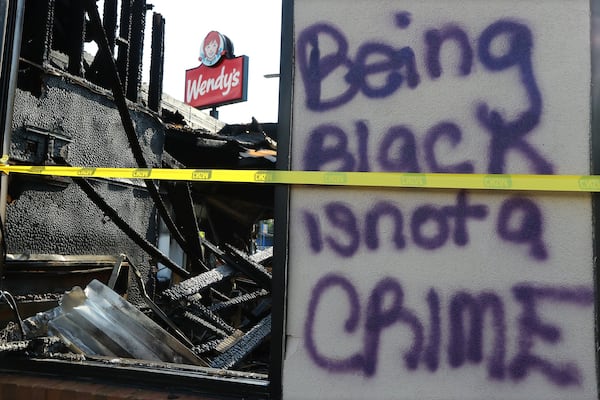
254	27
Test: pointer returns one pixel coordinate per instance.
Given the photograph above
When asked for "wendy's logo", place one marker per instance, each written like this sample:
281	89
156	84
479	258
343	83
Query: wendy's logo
214	47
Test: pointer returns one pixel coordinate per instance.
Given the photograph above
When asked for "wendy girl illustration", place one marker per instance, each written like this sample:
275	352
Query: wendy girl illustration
214	47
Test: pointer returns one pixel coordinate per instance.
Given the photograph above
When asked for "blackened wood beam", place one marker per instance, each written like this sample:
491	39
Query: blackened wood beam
239	351
197	283
122	41
156	62
110	22
136	49
75	36
243	263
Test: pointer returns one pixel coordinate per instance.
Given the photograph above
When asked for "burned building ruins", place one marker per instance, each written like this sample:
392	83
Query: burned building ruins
164	276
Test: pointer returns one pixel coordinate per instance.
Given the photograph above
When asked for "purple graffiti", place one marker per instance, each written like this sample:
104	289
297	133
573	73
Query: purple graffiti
431	355
314	66
399	64
469	347
403	19
466	329
434	39
399	69
453	133
312	225
431	227
317	154
353	362
347	236
372	219
341	217
378	318
328	147
461	212
424	216
530	228
508	135
532	327
399	137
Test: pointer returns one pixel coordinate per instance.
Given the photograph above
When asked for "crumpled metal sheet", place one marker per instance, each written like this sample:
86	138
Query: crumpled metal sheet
99	322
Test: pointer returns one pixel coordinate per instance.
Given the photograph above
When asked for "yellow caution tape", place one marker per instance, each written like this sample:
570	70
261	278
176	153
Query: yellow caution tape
562	183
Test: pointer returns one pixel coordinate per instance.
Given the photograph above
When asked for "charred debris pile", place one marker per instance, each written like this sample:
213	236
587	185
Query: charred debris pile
213	312
218	319
127	271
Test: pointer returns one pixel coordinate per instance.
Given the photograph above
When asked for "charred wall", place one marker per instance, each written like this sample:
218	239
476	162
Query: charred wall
73	123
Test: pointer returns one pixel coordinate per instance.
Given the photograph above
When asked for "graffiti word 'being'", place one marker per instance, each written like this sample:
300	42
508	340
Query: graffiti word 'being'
399	68
385	308
431	227
316	66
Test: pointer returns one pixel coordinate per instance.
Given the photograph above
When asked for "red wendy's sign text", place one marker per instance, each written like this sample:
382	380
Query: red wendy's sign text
223	83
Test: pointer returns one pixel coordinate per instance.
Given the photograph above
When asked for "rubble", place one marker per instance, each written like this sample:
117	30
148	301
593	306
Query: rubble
216	319
244	346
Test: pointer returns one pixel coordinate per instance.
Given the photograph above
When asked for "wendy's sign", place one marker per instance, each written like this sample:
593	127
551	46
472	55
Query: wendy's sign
224	83
220	79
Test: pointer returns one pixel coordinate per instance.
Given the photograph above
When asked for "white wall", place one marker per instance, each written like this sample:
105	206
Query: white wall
376	313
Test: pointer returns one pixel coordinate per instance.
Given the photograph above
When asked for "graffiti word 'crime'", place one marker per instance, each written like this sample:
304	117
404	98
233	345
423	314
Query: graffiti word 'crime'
385	308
